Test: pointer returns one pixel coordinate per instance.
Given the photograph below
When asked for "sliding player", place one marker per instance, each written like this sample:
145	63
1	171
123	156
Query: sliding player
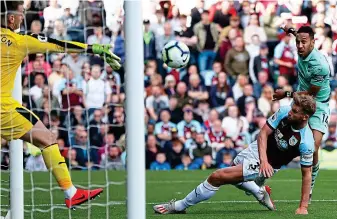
313	77
285	136
17	122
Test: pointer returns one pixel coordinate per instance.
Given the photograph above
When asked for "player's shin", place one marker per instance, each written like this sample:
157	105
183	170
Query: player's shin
314	174
56	163
203	192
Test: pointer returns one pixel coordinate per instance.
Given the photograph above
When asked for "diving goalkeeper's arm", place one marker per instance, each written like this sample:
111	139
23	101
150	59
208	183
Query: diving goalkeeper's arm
40	44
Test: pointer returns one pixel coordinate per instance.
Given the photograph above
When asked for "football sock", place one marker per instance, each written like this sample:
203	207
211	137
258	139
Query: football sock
56	163
252	188
315	170
203	192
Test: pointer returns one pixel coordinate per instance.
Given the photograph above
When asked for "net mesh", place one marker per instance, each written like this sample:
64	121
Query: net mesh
85	131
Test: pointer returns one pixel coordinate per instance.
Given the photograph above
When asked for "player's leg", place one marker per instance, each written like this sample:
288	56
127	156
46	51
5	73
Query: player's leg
315	168
319	125
17	122
41	137
204	191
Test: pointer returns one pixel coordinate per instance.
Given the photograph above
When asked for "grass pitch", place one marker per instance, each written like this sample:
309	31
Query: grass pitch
44	200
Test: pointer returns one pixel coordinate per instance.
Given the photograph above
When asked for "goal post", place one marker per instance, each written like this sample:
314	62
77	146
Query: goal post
135	125
16	163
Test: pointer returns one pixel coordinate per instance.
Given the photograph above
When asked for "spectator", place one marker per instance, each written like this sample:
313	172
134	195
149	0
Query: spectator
164	128
70	21
176	114
222	15
71	90
196	90
207	163
175	153
271	21
170	84
112	160
185	126
173	17
216	136
208	36
47	95
245	14
241	102
261	63
72	162
262	81
211	77
108	141
149	42
240	83
196	12
36	27
160	163
39	65
254	28
95	124
199	149
86	156
119	49
187	164
181	95
221	91
152	149
161	40
36	91
234	124
212	117
227	160
118	126
186	35
60	31
285	58
229	148
56	74
156	102
237	59
98	37
97	91
260	123
51	14
265	100
75	62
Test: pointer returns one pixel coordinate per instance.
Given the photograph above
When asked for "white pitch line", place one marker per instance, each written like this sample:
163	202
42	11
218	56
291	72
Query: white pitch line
163	182
207	202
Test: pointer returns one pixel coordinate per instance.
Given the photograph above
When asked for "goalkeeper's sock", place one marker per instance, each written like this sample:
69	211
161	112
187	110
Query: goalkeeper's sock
56	163
203	192
314	174
252	188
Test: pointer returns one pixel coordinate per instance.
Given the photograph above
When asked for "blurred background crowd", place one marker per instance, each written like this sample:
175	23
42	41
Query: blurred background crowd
198	117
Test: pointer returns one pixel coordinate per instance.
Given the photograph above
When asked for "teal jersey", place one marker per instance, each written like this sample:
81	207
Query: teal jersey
315	70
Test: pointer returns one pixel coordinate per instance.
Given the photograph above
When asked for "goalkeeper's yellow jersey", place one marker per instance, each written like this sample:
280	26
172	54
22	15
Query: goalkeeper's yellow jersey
15	47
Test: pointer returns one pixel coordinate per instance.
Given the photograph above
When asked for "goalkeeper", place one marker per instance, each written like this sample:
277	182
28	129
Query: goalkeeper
17	122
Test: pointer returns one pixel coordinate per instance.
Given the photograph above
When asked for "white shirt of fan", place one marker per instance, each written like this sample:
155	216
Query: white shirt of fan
96	92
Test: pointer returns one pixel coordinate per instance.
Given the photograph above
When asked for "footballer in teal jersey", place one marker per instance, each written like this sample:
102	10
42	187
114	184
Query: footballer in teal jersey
313	77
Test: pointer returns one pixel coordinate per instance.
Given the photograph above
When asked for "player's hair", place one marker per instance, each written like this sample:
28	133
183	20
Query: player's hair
308	30
7	6
306	102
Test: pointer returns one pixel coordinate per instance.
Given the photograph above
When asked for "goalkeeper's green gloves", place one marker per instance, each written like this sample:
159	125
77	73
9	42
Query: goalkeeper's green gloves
104	52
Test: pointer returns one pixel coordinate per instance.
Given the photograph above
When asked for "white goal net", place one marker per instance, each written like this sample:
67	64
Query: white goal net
81	100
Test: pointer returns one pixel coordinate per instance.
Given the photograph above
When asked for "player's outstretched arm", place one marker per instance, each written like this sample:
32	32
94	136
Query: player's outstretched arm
30	44
265	168
280	94
306	183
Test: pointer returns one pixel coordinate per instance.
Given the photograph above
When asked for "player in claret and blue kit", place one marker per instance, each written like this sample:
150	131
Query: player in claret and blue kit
286	135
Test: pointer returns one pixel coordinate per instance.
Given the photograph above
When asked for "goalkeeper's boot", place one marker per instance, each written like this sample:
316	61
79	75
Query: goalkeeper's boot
167	208
266	199
82	196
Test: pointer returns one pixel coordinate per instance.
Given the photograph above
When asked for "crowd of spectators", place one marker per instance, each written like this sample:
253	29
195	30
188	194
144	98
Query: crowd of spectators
198	117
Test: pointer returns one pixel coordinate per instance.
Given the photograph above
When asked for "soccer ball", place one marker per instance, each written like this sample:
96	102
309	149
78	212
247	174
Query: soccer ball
175	54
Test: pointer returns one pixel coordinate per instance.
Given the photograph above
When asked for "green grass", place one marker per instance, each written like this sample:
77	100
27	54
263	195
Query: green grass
164	186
